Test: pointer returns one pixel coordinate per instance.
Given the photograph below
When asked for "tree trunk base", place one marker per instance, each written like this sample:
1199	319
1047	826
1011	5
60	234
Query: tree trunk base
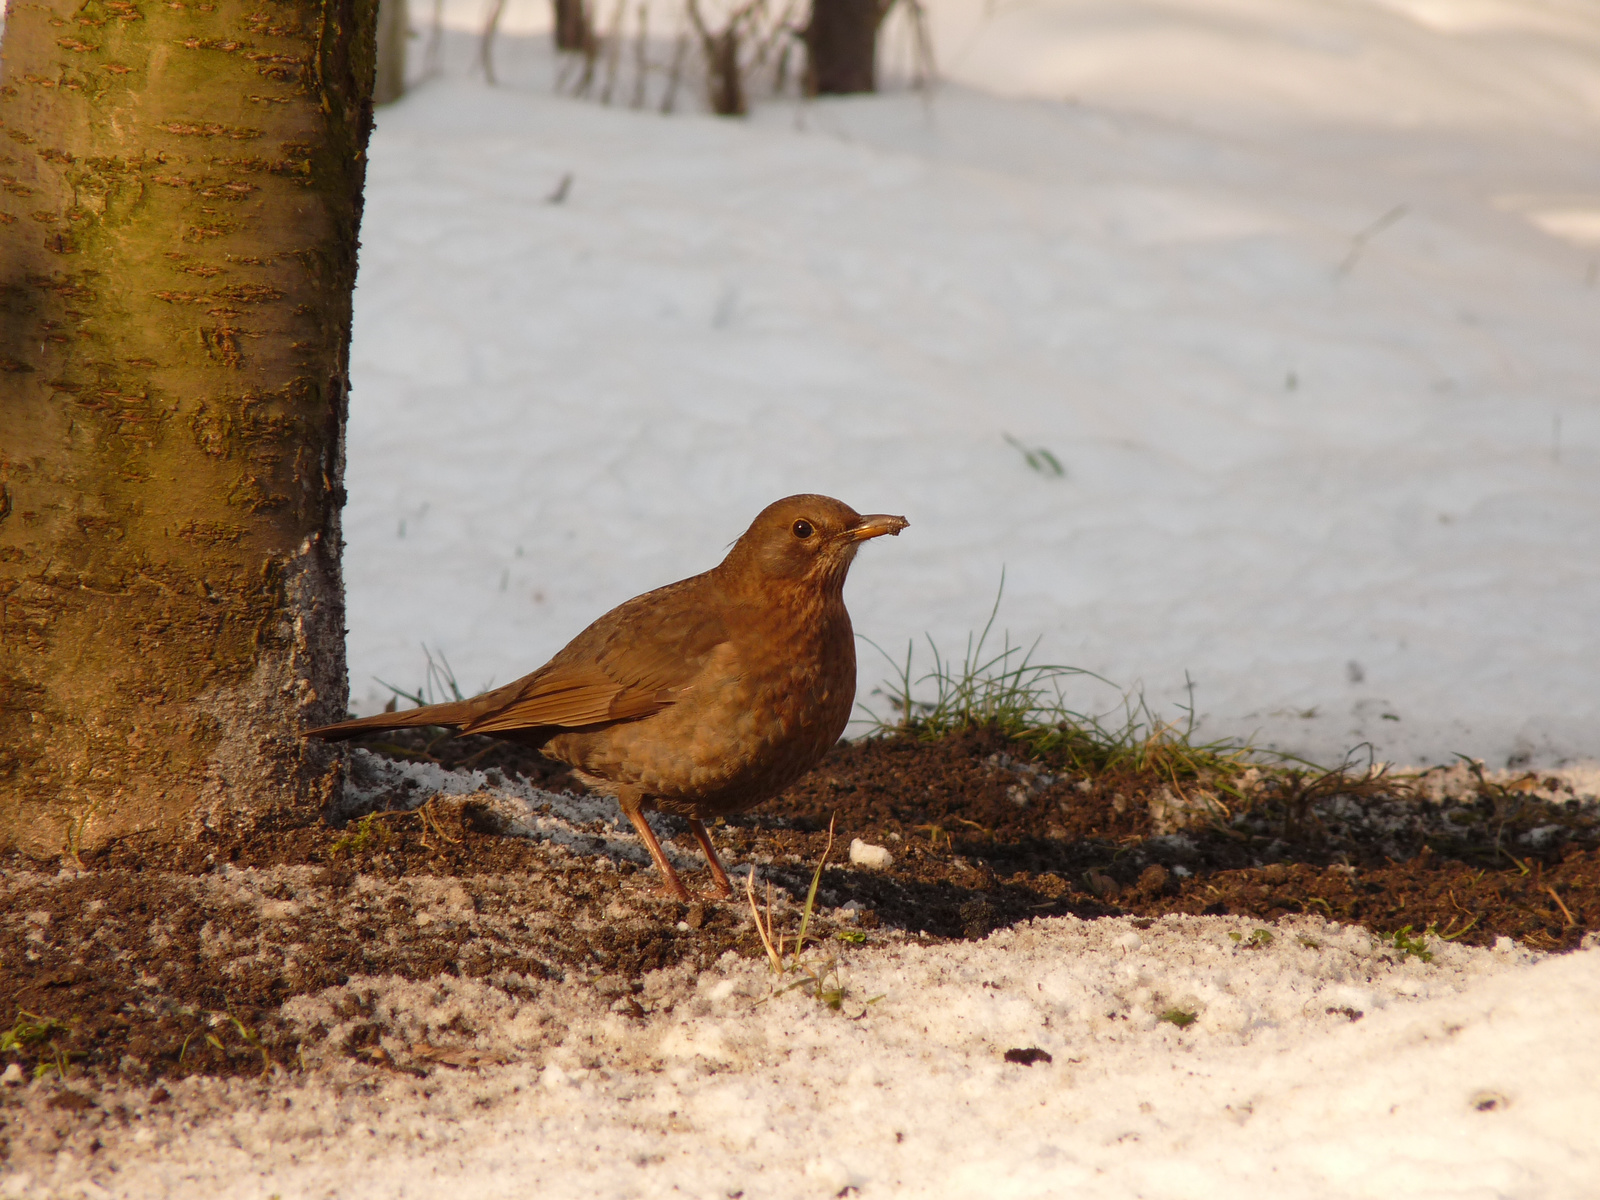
841	47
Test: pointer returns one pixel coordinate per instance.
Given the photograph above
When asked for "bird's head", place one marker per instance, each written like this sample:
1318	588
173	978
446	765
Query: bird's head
806	538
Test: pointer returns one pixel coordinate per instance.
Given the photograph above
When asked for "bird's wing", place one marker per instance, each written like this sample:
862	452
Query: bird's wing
630	663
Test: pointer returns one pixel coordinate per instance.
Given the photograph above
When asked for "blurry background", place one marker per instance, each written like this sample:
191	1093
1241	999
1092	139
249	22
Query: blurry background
1256	341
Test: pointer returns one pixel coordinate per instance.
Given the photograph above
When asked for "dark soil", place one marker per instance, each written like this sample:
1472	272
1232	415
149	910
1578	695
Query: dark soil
147	961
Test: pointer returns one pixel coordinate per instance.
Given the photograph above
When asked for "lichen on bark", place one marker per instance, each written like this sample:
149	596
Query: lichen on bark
181	198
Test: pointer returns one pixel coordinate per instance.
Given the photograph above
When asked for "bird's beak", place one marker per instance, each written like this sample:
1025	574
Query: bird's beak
876	525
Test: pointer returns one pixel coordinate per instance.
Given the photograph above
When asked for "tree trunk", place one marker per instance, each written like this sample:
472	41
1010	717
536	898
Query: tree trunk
842	46
725	74
724	70
389	76
571	25
182	193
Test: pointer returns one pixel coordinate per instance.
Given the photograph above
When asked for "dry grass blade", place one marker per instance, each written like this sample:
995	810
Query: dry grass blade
811	895
457	1056
823	980
764	926
431	825
1565	911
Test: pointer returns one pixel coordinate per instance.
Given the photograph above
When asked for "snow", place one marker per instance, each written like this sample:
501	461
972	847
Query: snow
1372	64
1301	297
865	854
1317	1064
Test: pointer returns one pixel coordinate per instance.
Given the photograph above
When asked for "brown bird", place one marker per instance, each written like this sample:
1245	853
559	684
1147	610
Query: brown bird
701	698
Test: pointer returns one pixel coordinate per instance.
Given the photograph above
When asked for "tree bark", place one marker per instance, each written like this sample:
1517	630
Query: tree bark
842	46
724	68
571	26
182	194
394	28
725	74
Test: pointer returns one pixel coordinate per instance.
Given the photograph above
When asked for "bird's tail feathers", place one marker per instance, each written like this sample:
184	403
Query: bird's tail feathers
453	714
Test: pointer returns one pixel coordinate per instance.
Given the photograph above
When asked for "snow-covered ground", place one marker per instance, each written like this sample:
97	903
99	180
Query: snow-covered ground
1301	295
1317	1066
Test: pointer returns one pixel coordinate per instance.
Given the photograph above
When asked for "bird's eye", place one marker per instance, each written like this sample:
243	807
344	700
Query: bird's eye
803	530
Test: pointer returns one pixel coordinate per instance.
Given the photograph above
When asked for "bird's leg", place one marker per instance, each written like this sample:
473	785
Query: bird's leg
723	888
633	806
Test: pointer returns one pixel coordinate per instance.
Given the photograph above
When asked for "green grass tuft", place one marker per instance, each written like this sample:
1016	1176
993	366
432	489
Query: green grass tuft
369	834
438	683
823	981
34	1034
1024	700
1404	941
1038	459
30	1030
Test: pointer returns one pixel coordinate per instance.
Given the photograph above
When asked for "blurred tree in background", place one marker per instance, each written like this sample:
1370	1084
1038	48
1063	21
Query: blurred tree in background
572	28
389	74
842	46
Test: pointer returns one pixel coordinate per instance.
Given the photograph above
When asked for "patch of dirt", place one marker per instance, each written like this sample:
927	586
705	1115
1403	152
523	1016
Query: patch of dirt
148	961
985	836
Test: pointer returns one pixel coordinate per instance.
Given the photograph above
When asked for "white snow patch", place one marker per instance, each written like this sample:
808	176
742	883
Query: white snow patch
1320	1064
865	854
